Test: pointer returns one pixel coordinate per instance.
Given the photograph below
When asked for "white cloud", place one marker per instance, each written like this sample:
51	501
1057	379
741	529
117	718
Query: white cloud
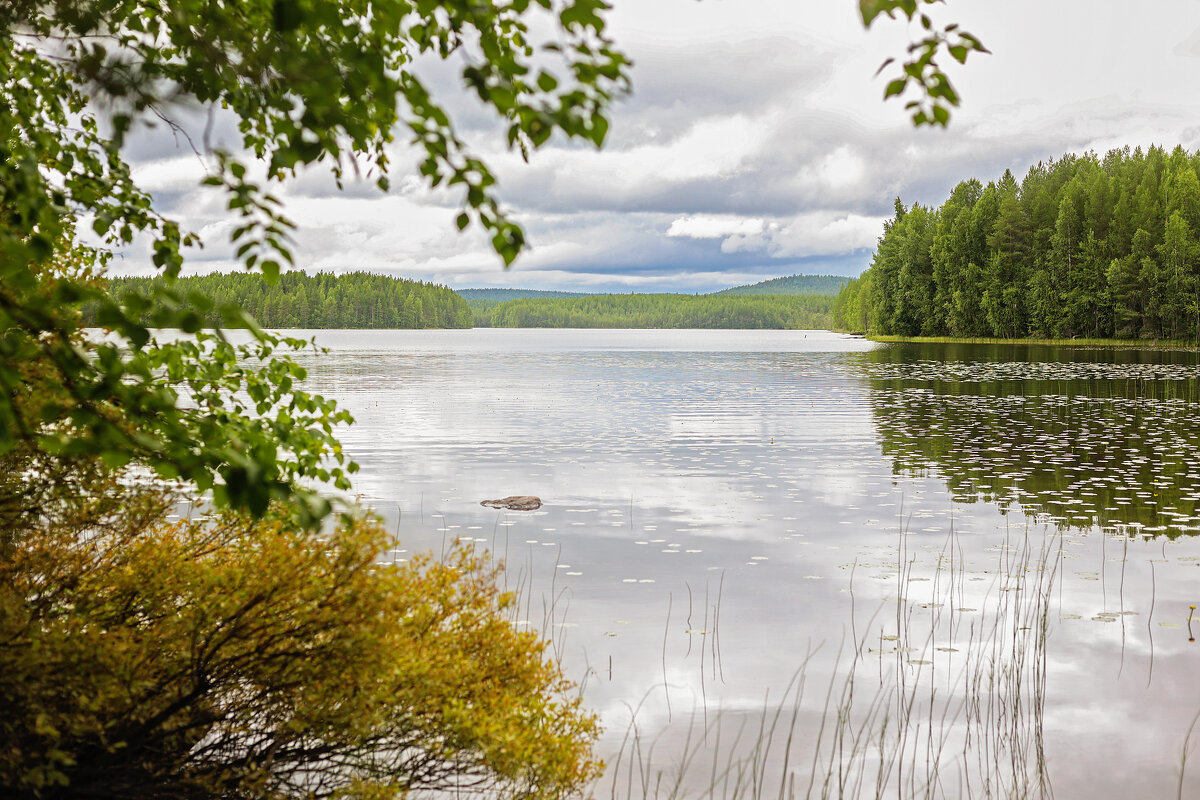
841	168
709	226
177	173
809	235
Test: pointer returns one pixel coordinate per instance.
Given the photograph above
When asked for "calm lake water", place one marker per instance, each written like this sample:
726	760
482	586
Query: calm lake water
791	558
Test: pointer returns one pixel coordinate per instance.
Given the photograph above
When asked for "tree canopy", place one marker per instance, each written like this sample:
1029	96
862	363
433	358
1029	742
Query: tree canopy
324	300
792	285
309	82
667	311
244	654
1081	246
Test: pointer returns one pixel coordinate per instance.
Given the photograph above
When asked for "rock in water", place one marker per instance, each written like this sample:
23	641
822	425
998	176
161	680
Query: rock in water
515	503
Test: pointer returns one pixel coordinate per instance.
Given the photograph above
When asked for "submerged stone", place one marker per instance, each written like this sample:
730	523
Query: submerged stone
515	503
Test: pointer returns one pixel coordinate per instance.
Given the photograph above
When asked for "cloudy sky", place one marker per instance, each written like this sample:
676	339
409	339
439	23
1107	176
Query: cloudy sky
755	145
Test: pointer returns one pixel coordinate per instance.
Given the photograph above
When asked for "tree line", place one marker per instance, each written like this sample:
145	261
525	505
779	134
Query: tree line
667	311
1081	247
324	300
792	284
499	295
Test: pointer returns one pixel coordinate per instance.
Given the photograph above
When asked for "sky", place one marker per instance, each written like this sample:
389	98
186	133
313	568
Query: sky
756	144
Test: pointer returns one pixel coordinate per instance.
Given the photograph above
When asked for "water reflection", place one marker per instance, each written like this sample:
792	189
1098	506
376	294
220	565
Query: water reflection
1072	437
752	531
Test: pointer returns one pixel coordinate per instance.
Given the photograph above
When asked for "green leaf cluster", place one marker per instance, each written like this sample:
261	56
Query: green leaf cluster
231	419
500	295
308	82
1082	247
920	69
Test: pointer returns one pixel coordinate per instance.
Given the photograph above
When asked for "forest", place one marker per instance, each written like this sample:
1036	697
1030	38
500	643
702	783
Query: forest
792	284
495	295
667	311
1082	246
324	300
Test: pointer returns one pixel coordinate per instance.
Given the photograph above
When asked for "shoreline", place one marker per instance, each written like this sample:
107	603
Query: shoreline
1157	344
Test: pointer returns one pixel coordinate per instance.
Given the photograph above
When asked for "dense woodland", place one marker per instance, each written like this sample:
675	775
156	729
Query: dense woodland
299	300
1081	247
793	284
483	303
668	311
495	295
481	312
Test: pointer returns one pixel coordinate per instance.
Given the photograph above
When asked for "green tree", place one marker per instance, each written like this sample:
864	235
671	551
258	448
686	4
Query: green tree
667	311
309	83
1009	240
247	656
297	300
1082	246
1177	256
914	284
951	245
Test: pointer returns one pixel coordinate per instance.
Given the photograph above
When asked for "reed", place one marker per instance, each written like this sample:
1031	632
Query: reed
934	702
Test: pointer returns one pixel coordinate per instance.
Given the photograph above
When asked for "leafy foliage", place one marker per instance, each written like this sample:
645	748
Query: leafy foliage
483	301
667	311
921	69
228	417
481	312
1083	246
325	300
679	311
309	82
246	657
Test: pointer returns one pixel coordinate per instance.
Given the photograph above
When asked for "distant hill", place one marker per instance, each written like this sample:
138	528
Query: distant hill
483	304
502	295
793	284
666	311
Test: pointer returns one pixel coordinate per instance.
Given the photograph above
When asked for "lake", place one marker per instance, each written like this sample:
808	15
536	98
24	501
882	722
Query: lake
777	560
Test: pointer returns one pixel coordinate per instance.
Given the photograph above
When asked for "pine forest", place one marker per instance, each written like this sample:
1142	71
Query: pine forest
1081	247
324	300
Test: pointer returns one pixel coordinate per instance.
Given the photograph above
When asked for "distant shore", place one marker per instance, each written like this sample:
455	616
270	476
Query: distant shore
1162	344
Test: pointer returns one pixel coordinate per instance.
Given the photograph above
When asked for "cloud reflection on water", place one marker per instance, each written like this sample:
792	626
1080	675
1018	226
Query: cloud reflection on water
733	482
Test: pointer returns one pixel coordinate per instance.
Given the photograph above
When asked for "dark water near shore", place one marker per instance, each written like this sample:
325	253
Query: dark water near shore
994	548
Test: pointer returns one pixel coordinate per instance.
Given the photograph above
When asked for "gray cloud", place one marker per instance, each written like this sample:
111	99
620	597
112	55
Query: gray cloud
769	135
